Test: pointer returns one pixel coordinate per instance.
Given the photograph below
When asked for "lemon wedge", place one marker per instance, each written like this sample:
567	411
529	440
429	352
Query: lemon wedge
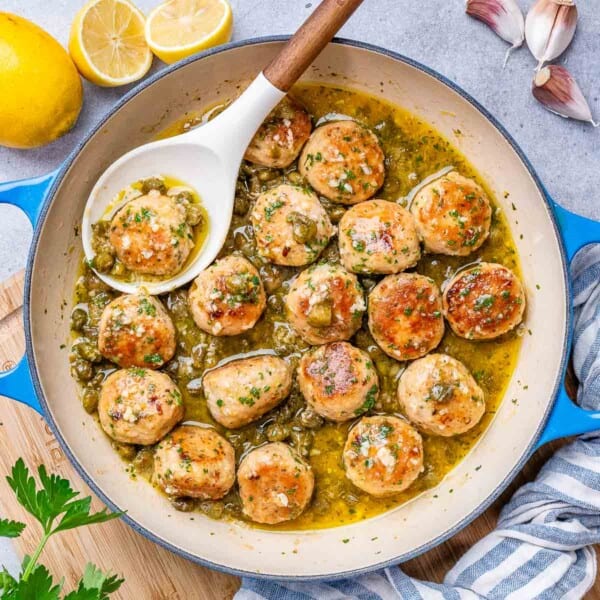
178	28
107	43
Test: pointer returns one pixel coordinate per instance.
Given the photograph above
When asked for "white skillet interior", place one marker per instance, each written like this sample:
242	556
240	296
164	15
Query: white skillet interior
398	533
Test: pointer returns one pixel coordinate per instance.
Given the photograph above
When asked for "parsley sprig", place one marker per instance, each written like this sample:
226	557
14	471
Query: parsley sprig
56	507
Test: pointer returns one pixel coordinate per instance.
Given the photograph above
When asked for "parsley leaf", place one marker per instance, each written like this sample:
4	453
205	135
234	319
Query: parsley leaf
11	529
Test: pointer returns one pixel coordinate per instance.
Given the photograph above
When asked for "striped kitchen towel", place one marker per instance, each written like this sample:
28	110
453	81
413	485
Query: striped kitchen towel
542	545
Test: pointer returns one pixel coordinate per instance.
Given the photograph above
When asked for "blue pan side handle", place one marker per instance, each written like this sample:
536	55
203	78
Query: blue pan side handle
577	231
567	418
16	383
28	195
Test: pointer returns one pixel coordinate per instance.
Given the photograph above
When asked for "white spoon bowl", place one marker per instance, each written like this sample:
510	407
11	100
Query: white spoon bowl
207	159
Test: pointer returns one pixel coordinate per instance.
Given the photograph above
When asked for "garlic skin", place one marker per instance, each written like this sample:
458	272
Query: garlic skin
504	17
549	28
555	88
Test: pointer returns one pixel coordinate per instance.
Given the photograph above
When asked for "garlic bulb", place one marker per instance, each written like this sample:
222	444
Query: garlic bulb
556	89
504	17
549	28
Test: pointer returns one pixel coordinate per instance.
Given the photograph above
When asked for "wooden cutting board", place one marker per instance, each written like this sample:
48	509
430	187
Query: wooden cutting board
150	572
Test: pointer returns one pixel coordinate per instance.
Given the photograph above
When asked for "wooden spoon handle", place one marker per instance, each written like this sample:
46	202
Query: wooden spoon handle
306	44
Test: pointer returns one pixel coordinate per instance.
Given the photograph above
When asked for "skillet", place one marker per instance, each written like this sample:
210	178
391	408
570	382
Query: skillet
546	236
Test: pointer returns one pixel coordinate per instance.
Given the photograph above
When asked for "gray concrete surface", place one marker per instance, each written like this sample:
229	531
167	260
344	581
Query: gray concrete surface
435	32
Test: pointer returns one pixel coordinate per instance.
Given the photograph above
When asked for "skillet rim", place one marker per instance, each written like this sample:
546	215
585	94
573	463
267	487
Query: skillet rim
442	537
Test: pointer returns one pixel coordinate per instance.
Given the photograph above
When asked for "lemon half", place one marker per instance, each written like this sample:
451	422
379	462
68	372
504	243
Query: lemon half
107	43
179	28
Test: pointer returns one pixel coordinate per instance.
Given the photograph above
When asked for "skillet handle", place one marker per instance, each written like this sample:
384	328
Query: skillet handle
28	195
566	417
17	384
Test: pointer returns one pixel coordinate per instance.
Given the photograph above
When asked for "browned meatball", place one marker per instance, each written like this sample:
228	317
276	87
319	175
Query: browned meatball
405	315
338	381
138	406
325	304
136	331
151	236
484	301
383	455
196	462
275	483
228	298
453	215
290	225
242	391
343	161
378	236
280	138
440	396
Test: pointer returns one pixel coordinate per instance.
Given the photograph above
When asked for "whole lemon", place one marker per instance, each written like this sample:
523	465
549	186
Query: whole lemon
41	90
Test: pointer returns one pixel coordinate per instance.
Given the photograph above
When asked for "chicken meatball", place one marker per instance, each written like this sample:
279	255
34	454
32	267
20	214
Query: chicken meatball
228	298
280	138
195	462
440	396
242	391
383	455
325	304
139	406
290	225
338	381
405	315
343	161
275	484
136	331
484	302
151	236
378	237
453	215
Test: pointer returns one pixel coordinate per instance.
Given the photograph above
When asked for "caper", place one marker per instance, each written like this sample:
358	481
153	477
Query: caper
294	178
302	441
89	400
125	451
119	269
88	352
212	509
101	228
103	262
244	243
193	215
320	314
183	504
335	212
144	461
241	204
185	196
153	183
78	319
310	419
82	370
278	432
304	229
275	303
267	175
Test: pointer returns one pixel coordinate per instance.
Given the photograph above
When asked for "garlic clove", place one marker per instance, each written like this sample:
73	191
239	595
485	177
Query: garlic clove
554	87
549	28
504	17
